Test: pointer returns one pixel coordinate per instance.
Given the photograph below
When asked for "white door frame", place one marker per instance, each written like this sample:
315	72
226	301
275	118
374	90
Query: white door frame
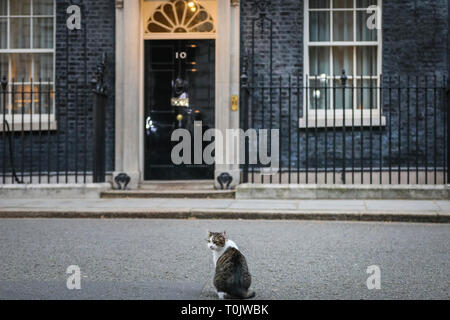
129	142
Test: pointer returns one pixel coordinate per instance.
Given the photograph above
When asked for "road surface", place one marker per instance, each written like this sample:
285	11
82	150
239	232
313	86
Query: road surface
169	259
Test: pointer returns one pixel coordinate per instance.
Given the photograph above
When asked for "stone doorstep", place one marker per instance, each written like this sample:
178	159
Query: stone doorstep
342	192
171	194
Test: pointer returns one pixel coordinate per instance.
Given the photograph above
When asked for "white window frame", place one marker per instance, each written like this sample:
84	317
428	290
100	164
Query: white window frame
331	117
30	122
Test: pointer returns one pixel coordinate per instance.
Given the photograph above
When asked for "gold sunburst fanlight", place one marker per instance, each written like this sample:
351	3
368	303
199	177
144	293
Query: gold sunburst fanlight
180	16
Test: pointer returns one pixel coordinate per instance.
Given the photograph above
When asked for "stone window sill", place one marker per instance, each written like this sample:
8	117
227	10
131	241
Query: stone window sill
339	122
29	126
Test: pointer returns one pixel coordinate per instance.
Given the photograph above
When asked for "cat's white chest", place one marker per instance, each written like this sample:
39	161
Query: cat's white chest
218	254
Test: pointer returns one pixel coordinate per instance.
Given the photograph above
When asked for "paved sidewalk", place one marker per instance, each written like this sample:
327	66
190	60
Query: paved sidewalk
356	210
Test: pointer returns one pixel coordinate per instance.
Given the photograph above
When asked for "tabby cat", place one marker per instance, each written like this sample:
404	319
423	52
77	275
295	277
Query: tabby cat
232	278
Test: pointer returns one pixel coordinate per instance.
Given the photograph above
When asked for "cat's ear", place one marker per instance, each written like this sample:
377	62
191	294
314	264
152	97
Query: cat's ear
225	234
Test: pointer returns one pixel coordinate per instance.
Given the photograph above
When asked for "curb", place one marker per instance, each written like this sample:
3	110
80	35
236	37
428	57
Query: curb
425	217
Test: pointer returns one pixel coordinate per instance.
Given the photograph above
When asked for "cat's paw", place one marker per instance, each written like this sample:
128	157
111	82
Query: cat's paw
221	295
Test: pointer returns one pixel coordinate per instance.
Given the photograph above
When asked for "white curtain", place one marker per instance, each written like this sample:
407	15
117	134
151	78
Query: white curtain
20	7
363	33
43	7
343	26
43	33
21	66
43	67
342	60
319	26
366	61
19	33
3	33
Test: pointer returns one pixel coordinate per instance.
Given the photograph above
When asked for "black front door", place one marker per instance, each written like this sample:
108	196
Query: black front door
179	89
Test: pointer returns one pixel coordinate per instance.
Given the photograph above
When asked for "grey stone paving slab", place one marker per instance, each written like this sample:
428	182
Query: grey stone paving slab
264	204
401	205
333	205
444	205
195	203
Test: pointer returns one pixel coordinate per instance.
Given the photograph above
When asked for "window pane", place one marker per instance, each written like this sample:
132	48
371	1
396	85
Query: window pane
21	66
4	65
343	26
43	99
368	92
3	7
319	26
366	61
3	72
43	33
343	3
365	3
319	4
20	33
3	33
43	7
319	93
43	67
349	95
319	61
343	60
22	99
20	7
363	33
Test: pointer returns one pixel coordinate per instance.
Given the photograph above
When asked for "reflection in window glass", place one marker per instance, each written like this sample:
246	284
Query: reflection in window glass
343	4
343	60
43	33
343	26
21	66
20	7
3	33
3	7
43	7
43	67
363	33
319	4
365	3
20	33
339	95
367	91
366	61
319	26
319	61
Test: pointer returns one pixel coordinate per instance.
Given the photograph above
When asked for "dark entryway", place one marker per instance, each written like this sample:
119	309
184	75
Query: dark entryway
179	89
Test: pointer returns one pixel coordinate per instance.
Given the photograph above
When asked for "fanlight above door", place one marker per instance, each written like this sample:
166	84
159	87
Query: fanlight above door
180	16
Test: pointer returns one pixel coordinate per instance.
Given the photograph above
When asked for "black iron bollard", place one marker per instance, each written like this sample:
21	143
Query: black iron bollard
99	113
